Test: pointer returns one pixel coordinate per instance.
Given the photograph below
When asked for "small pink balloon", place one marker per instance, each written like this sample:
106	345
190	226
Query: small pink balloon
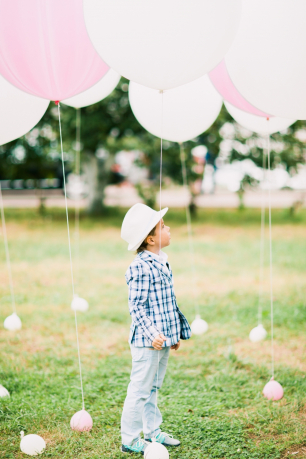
81	421
273	390
45	49
222	82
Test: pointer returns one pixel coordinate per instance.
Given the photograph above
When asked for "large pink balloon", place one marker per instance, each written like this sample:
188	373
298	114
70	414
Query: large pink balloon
45	49
222	82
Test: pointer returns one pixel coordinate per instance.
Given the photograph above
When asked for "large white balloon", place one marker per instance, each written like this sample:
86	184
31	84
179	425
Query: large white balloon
19	111
162	43
257	123
267	60
96	93
185	112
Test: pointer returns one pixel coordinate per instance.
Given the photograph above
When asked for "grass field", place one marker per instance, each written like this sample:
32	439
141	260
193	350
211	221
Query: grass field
212	396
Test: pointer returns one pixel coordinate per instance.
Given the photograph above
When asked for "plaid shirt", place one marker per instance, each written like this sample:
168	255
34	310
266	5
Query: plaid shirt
152	303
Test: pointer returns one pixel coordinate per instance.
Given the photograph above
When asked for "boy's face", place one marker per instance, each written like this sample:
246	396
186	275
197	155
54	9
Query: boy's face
162	235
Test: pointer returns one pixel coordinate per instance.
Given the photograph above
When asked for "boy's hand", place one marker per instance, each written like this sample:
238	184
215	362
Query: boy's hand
176	346
158	342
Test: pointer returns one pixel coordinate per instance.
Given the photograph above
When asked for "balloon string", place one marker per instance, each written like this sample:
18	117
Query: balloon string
77	172
189	229
160	224
271	271
157	378
262	243
69	245
161	166
7	253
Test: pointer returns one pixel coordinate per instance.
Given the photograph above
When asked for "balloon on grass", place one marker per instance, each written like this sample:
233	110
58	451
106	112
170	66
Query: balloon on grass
79	304
267	59
98	92
81	421
161	44
4	392
273	390
156	451
257	334
12	322
19	111
179	114
199	326
221	80
258	124
45	49
32	444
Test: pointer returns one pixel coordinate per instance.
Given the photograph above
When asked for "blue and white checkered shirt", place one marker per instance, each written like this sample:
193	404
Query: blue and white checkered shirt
152	303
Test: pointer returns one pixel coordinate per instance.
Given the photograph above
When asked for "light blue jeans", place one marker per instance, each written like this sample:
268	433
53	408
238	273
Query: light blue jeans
139	413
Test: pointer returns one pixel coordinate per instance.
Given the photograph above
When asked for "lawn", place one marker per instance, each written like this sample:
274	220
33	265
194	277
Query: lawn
212	395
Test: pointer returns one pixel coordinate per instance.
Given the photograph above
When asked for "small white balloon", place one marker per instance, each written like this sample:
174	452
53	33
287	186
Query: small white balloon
20	111
4	392
77	188
96	93
156	451
184	112
32	444
79	304
257	334
162	44
199	326
12	322
256	123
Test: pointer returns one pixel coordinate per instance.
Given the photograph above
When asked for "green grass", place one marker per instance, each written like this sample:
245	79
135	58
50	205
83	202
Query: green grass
212	395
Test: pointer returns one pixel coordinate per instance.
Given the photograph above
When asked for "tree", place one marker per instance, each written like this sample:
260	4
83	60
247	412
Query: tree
110	126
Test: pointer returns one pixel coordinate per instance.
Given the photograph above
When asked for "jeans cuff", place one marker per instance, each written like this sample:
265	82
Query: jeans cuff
130	443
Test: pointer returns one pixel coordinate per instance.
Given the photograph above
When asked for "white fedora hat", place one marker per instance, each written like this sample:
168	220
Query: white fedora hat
138	222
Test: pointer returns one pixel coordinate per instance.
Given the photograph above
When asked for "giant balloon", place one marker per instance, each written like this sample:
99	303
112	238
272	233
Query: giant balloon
162	43
221	80
267	60
96	93
258	123
179	114
45	49
19	111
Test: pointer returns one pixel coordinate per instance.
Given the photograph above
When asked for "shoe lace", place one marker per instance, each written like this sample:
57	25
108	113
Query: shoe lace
140	443
162	435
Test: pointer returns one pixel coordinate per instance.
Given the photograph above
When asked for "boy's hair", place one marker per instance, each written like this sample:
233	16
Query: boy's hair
143	246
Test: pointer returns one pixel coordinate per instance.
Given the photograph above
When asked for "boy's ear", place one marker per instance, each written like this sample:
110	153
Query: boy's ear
150	240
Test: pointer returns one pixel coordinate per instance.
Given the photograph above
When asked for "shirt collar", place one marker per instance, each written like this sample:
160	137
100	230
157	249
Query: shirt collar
162	257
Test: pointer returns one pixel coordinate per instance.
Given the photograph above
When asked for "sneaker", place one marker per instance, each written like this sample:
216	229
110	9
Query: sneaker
137	447
165	439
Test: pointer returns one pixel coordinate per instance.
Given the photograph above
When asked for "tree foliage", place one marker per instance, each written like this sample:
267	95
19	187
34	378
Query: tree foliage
110	126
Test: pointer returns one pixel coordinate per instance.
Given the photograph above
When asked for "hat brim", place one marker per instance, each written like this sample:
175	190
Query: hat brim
159	215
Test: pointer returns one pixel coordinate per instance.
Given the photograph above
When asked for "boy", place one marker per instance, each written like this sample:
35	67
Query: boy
157	326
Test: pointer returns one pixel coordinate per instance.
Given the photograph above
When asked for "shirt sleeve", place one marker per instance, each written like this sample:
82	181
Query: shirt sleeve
139	285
